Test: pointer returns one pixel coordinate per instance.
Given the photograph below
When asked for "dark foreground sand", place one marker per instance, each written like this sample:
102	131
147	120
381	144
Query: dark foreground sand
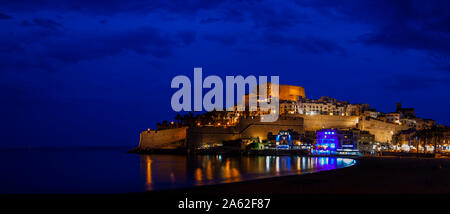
374	184
381	175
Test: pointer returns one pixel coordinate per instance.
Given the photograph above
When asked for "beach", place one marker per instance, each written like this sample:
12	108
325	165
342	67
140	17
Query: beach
396	184
371	175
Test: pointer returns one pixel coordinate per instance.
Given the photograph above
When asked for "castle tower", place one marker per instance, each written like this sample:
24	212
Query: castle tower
398	106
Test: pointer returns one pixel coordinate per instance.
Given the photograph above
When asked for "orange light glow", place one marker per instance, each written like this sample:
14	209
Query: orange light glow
149	172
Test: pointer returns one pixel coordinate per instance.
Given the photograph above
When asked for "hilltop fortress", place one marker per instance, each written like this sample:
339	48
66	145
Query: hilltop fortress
297	114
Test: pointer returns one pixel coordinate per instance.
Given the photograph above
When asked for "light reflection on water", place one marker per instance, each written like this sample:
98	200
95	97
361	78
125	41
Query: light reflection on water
170	171
115	171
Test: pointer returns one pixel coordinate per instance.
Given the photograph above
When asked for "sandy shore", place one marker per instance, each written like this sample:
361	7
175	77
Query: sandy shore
377	175
372	184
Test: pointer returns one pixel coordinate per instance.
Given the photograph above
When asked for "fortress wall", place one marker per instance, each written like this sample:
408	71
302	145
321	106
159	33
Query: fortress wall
261	130
198	136
383	131
156	139
316	122
256	128
247	128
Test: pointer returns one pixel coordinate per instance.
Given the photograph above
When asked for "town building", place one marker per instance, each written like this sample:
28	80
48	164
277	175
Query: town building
324	106
288	107
405	112
372	113
406	141
366	143
288	96
329	117
337	141
393	117
329	106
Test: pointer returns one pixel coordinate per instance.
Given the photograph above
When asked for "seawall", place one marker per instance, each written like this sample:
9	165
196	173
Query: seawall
383	131
247	128
196	136
158	139
317	122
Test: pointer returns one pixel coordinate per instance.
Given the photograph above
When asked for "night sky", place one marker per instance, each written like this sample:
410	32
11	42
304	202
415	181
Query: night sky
96	73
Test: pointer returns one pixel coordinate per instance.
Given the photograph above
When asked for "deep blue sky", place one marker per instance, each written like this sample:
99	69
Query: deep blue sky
96	73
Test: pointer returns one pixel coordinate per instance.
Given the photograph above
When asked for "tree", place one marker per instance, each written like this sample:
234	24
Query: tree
179	119
437	133
421	135
434	133
189	119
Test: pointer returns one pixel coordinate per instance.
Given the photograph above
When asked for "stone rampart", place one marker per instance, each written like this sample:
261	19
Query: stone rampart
317	122
247	128
383	131
156	139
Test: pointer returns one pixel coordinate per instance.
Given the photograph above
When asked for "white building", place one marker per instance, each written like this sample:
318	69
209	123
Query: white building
393	117
312	107
288	107
372	114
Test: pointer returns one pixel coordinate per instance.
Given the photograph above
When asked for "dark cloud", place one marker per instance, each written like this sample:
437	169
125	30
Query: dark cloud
144	40
112	6
21	49
112	51
401	38
49	51
27	63
307	44
275	18
233	15
400	25
4	16
440	62
270	14
411	82
210	20
187	37
221	38
263	13
45	23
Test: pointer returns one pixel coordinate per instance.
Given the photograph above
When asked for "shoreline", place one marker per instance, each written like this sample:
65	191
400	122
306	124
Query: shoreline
370	175
270	152
398	173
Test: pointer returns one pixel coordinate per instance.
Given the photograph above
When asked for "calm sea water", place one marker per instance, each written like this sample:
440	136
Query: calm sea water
115	171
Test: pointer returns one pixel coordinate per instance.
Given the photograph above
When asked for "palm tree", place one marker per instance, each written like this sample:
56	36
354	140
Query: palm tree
416	142
427	135
417	139
179	119
421	135
189	119
437	133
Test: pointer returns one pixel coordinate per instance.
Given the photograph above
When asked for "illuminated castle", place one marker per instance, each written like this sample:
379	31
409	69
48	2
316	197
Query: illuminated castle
286	92
287	96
